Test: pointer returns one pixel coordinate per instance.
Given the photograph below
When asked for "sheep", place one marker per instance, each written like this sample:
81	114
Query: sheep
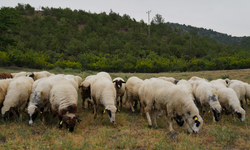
119	84
238	90
5	75
76	79
230	102
4	84
63	100
39	99
170	79
105	74
85	90
20	74
195	78
103	95
228	99
186	85
174	99
206	96
38	75
17	97
132	86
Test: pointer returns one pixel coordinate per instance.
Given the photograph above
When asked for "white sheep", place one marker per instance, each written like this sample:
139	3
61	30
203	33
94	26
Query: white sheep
4	84
195	78
20	74
39	99
85	90
119	85
63	100
105	74
38	75
170	79
76	79
228	99
103	95
174	99
17	97
206	96
132	86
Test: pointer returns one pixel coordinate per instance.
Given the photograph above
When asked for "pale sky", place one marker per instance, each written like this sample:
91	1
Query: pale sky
225	16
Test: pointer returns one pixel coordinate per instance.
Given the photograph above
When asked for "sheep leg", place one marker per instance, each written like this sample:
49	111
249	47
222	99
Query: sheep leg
135	106
154	118
187	126
169	122
241	103
120	102
131	105
149	119
95	111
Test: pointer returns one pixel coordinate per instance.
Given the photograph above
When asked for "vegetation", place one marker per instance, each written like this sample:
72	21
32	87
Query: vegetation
131	130
56	37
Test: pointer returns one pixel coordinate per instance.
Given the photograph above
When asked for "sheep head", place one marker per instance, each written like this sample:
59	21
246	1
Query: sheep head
70	120
118	83
111	110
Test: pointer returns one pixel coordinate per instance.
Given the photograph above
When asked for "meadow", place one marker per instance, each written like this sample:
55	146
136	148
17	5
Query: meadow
131	130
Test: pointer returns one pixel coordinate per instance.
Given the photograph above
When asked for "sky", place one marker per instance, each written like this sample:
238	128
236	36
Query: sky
225	16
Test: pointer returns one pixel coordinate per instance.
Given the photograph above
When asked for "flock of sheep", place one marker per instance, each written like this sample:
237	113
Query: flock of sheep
185	101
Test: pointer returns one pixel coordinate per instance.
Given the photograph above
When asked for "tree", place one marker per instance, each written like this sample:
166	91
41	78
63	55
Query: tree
158	19
7	21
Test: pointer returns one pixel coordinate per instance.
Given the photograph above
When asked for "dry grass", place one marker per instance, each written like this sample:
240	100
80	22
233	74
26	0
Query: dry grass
131	130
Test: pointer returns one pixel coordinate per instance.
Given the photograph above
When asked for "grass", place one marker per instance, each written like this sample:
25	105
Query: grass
131	130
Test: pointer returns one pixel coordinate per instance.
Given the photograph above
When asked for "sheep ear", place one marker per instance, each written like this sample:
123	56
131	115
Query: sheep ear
195	118
114	81
123	82
176	81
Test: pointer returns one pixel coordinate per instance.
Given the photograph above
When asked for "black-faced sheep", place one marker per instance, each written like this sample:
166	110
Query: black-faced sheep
63	100
103	95
119	84
157	95
85	90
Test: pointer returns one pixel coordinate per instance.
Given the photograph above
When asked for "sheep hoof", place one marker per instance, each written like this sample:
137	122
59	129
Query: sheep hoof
150	126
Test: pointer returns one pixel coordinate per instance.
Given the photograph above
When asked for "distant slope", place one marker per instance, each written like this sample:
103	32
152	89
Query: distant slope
216	36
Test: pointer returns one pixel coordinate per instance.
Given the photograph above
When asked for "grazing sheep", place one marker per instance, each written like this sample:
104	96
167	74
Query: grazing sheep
20	74
5	75
39	99
195	78
206	96
230	102
17	97
186	85
63	100
103	95
170	79
4	84
38	75
105	74
119	84
174	99
240	90
132	86
76	79
85	90
228	99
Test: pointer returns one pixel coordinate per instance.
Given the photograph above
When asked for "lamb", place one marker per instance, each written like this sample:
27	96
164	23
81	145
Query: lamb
5	75
228	99
63	100
206	96
17	97
39	99
85	90
38	75
4	84
103	95
119	84
170	79
132	86
158	95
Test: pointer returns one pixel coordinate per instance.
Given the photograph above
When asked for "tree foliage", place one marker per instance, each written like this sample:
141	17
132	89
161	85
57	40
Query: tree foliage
108	42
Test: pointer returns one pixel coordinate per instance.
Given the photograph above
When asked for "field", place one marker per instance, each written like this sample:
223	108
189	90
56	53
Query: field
131	130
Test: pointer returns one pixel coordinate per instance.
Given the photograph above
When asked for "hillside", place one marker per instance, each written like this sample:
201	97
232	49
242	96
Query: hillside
216	36
65	38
